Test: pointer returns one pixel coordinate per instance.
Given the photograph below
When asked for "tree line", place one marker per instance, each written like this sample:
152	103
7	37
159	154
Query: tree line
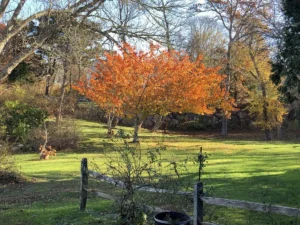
246	52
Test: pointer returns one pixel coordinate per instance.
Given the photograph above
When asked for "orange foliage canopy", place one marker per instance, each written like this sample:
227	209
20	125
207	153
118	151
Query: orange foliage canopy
155	82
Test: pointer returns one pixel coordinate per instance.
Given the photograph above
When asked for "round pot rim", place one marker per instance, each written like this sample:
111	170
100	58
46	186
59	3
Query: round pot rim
188	218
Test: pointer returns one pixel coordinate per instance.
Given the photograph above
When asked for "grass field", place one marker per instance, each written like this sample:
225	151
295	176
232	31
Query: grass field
237	168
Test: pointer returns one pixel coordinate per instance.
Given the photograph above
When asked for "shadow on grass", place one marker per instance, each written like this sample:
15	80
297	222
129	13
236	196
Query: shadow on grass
280	189
56	201
52	202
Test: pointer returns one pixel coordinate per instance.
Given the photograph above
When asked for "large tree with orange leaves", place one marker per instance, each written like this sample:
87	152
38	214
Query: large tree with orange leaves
139	84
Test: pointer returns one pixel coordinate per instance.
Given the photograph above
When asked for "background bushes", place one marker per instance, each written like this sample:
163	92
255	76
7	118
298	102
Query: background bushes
19	118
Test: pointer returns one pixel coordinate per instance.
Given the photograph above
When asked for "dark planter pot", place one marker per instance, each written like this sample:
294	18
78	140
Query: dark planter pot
172	218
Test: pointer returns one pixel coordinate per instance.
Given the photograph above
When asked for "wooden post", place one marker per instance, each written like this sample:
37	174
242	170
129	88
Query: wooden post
83	184
198	203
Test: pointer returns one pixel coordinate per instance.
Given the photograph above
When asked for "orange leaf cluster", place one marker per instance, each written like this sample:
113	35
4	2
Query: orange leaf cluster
154	82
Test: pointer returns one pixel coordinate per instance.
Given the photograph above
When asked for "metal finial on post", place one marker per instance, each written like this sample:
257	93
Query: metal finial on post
83	184
200	160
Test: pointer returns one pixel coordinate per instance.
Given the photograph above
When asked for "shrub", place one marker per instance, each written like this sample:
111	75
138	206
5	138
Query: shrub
89	111
34	95
19	118
8	172
65	135
136	168
6	159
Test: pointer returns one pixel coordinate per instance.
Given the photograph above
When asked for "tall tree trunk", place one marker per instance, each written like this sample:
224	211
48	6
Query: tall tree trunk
59	114
79	70
158	120
62	94
279	132
224	125
167	26
265	111
51	71
137	125
264	95
47	85
227	87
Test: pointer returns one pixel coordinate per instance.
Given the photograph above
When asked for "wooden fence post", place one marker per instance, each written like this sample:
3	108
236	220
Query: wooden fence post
198	203
200	160
84	183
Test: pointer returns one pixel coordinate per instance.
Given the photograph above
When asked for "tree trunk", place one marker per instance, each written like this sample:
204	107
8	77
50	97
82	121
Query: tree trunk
59	114
137	125
227	86
265	111
264	96
279	132
51	71
47	85
13	63
109	124
224	126
268	135
62	95
115	122
158	120
22	24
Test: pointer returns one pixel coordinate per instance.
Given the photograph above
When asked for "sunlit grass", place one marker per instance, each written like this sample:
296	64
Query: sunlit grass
236	169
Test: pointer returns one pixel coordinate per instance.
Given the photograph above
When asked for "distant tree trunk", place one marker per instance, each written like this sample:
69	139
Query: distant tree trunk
47	85
158	120
59	114
62	94
224	126
51	71
268	135
279	132
227	84
115	122
79	70
110	118
265	111
137	125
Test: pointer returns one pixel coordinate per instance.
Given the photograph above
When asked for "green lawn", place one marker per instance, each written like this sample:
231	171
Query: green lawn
250	170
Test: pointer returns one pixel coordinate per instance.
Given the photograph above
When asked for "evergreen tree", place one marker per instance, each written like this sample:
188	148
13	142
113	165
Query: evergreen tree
287	65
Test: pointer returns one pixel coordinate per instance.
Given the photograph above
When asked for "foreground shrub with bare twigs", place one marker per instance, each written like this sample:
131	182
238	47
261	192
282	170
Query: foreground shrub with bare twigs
8	172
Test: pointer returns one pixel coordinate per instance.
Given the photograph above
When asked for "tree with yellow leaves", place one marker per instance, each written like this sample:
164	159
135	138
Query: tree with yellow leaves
263	95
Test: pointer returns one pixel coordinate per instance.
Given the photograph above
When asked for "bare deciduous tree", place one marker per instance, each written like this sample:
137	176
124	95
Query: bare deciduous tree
206	38
50	17
234	15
